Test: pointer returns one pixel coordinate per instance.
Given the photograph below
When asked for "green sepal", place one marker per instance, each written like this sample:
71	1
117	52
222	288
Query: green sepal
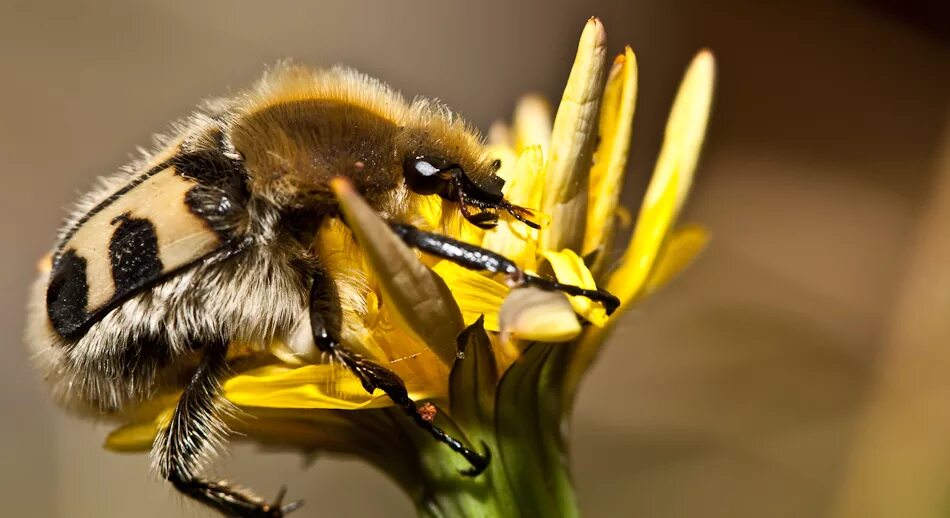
528	426
473	380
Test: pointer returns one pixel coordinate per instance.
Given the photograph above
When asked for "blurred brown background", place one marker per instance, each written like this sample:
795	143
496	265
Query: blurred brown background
752	387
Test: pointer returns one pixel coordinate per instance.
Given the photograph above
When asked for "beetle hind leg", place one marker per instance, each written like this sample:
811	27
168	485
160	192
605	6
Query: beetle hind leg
194	426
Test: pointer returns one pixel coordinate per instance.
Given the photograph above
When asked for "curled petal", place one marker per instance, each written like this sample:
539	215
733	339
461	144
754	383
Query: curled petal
534	314
572	144
569	268
418	297
610	158
671	179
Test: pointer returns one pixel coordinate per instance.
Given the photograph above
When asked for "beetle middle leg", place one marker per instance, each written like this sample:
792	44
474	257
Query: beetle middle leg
325	321
196	423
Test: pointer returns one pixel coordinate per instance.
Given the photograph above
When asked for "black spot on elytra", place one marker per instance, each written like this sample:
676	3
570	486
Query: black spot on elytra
105	203
221	191
68	294
133	252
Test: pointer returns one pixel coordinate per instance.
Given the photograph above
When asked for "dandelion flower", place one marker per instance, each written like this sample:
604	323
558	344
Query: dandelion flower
491	365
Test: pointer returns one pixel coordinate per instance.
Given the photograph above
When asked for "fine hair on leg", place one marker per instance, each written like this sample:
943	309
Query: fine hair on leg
195	430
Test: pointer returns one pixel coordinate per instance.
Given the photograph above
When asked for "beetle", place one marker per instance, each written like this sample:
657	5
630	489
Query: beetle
208	241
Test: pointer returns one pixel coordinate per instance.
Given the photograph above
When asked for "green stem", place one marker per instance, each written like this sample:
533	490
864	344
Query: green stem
518	418
494	493
528	475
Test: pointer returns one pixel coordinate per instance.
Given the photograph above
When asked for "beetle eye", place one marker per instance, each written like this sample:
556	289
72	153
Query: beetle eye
426	175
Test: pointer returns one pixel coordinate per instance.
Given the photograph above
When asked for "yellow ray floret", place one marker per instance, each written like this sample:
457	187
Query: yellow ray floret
610	159
568	163
671	179
569	268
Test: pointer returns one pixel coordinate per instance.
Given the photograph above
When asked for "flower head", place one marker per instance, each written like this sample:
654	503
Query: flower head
499	366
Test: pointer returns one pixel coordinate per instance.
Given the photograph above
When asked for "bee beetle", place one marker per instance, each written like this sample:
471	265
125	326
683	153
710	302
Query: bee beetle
209	241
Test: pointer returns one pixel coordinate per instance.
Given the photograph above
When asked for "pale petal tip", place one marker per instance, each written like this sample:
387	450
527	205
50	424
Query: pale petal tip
533	103
629	55
594	30
704	64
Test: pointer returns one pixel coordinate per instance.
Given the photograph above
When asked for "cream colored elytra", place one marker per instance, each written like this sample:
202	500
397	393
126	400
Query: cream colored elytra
182	235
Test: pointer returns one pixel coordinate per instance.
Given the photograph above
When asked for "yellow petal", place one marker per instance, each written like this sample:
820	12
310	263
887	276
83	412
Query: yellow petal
610	158
681	248
534	314
671	179
307	387
272	387
423	372
511	238
131	438
343	259
476	294
569	268
293	428
532	123
143	423
686	128
430	212
455	225
572	140
417	296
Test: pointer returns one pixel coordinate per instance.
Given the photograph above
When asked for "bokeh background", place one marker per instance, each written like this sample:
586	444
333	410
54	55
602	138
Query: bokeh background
800	368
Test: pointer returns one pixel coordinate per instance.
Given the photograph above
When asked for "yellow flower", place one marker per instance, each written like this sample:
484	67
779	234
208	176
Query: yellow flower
485	355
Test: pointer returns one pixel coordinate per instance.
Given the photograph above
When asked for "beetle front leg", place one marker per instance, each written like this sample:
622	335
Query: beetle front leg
479	259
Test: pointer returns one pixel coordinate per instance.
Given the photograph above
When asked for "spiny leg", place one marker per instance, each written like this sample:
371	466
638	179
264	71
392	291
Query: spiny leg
477	258
194	426
325	315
